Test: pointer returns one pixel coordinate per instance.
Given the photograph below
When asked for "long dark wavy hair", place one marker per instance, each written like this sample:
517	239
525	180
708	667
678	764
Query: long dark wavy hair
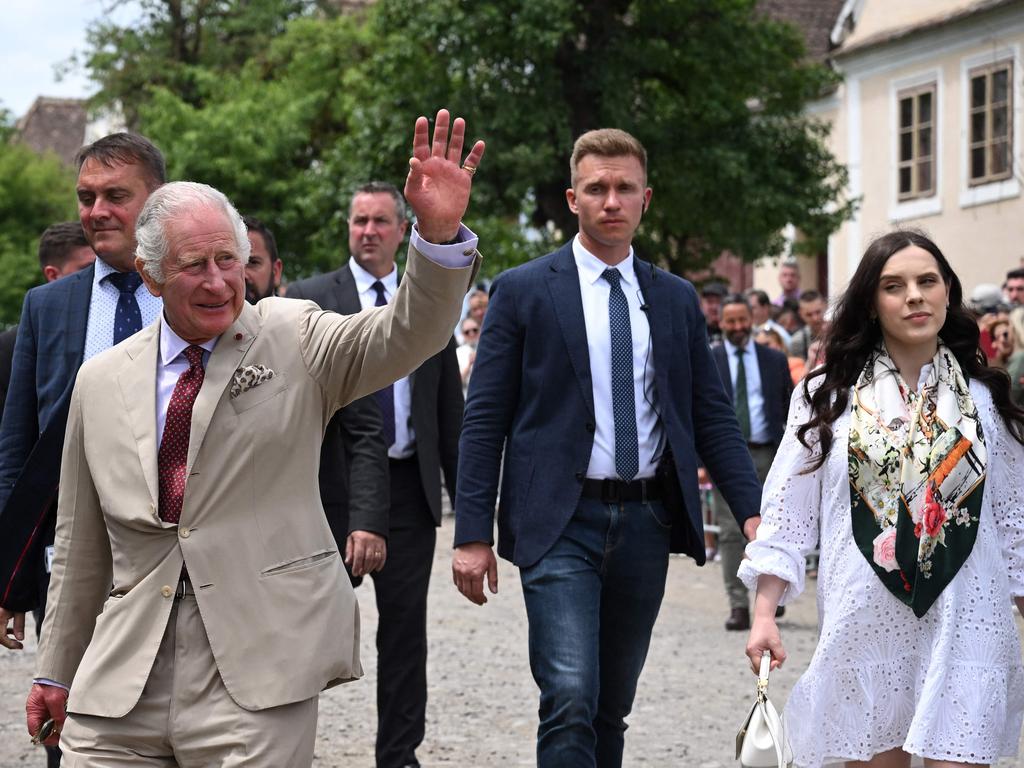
853	334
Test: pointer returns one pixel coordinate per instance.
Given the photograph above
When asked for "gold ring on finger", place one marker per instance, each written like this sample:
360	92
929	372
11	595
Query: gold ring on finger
468	168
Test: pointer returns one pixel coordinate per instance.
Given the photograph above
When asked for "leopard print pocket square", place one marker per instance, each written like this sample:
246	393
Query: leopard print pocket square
249	377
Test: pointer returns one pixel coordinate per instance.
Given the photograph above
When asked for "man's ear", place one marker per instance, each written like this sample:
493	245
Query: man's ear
152	285
51	273
570	198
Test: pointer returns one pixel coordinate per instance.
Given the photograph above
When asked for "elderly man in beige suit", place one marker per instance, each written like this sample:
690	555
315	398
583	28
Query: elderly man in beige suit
198	601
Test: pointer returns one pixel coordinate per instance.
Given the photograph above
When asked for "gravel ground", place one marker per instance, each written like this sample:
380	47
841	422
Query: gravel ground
693	694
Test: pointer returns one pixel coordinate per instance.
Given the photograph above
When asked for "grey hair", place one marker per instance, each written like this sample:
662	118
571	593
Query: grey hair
170	202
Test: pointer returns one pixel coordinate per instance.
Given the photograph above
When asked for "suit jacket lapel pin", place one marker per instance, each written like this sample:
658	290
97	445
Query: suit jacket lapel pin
247	378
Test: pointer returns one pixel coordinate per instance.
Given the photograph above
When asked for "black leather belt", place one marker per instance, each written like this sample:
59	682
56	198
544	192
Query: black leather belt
184	588
612	491
760	445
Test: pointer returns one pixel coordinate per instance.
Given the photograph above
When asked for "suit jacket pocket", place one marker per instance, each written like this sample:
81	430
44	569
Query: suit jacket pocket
290	566
260	394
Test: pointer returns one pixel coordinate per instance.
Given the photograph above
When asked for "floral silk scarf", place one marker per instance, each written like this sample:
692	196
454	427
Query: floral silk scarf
917	471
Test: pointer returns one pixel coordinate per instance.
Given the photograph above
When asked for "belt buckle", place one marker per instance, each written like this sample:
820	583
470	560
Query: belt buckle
179	593
610	491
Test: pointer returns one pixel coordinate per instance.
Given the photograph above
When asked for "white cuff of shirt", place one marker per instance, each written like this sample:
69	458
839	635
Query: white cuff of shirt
48	681
454	256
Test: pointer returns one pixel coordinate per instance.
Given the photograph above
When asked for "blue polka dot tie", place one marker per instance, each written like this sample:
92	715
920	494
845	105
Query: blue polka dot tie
385	397
127	316
627	453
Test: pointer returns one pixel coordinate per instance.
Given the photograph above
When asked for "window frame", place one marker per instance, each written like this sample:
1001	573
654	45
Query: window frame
916	160
989	140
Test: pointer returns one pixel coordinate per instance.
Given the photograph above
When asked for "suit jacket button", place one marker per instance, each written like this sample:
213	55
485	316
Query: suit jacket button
581	476
184	533
590	426
166	591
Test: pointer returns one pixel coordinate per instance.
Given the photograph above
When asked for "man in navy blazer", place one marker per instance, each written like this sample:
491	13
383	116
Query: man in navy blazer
761	410
62	324
594	376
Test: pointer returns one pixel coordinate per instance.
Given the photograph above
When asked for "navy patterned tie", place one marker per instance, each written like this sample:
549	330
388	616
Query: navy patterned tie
385	397
127	316
627	453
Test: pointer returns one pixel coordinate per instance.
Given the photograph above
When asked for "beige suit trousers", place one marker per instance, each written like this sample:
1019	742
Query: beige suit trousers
186	717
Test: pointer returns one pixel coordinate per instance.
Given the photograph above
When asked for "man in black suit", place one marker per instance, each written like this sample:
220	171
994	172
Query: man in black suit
353	458
757	381
63	249
422	419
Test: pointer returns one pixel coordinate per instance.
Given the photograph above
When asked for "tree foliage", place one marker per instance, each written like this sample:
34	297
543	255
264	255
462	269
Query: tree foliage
288	126
35	192
176	44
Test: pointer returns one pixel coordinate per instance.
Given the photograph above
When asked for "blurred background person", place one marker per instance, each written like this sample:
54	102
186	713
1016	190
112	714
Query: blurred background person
789	282
466	351
770	338
63	250
1015	366
711	296
263	270
812	314
763	312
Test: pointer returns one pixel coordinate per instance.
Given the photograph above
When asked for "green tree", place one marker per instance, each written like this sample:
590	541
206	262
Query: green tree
713	90
262	133
35	192
173	44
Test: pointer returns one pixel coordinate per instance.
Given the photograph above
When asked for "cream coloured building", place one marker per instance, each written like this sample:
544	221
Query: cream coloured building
928	121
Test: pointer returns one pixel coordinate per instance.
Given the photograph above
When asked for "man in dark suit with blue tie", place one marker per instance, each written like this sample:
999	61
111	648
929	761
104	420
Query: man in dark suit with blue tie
595	378
62	324
757	381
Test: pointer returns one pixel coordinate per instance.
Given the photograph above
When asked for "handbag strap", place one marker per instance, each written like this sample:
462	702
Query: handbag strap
762	698
762	677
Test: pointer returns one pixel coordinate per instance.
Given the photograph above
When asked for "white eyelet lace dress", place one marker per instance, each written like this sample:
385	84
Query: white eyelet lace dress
947	686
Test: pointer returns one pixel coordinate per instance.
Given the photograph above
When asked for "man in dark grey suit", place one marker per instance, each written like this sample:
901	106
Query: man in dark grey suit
353	458
757	381
422	417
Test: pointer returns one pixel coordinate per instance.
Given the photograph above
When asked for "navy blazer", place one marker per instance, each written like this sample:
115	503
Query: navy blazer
532	393
776	385
47	355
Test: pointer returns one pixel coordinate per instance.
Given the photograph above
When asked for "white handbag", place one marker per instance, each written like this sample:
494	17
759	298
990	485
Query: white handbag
761	742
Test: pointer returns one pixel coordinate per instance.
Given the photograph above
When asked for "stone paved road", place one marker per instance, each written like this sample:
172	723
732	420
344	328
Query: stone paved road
482	711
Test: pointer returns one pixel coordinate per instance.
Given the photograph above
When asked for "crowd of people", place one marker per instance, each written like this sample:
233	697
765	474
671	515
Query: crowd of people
197	470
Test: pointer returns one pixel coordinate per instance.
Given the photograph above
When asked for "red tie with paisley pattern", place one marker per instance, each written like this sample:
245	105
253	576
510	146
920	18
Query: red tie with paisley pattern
173	454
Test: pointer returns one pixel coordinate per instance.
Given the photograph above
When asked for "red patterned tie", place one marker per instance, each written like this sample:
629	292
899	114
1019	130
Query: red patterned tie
174	446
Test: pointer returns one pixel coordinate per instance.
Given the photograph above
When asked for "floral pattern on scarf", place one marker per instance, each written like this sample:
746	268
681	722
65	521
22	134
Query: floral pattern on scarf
917	471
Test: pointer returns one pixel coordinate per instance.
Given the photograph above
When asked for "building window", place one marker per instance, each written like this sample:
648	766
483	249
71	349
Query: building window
991	123
916	166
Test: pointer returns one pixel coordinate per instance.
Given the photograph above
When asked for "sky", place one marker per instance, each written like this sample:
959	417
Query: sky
38	34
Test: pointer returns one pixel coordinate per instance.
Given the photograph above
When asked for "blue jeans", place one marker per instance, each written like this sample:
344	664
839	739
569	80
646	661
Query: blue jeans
591	602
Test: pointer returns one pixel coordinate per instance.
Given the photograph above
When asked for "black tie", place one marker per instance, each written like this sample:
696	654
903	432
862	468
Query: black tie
127	316
385	397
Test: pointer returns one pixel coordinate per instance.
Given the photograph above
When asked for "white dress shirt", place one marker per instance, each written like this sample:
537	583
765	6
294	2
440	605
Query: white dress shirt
405	439
595	291
99	330
755	395
169	367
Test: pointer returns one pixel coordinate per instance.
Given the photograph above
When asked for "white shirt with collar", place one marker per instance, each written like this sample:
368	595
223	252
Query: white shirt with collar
169	367
405	439
594	291
99	329
755	395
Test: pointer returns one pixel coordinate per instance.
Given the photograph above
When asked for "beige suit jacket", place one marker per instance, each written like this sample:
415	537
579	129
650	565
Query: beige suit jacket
276	602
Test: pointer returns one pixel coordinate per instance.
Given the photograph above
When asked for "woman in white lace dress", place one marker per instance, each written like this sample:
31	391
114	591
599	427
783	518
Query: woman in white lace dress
904	452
